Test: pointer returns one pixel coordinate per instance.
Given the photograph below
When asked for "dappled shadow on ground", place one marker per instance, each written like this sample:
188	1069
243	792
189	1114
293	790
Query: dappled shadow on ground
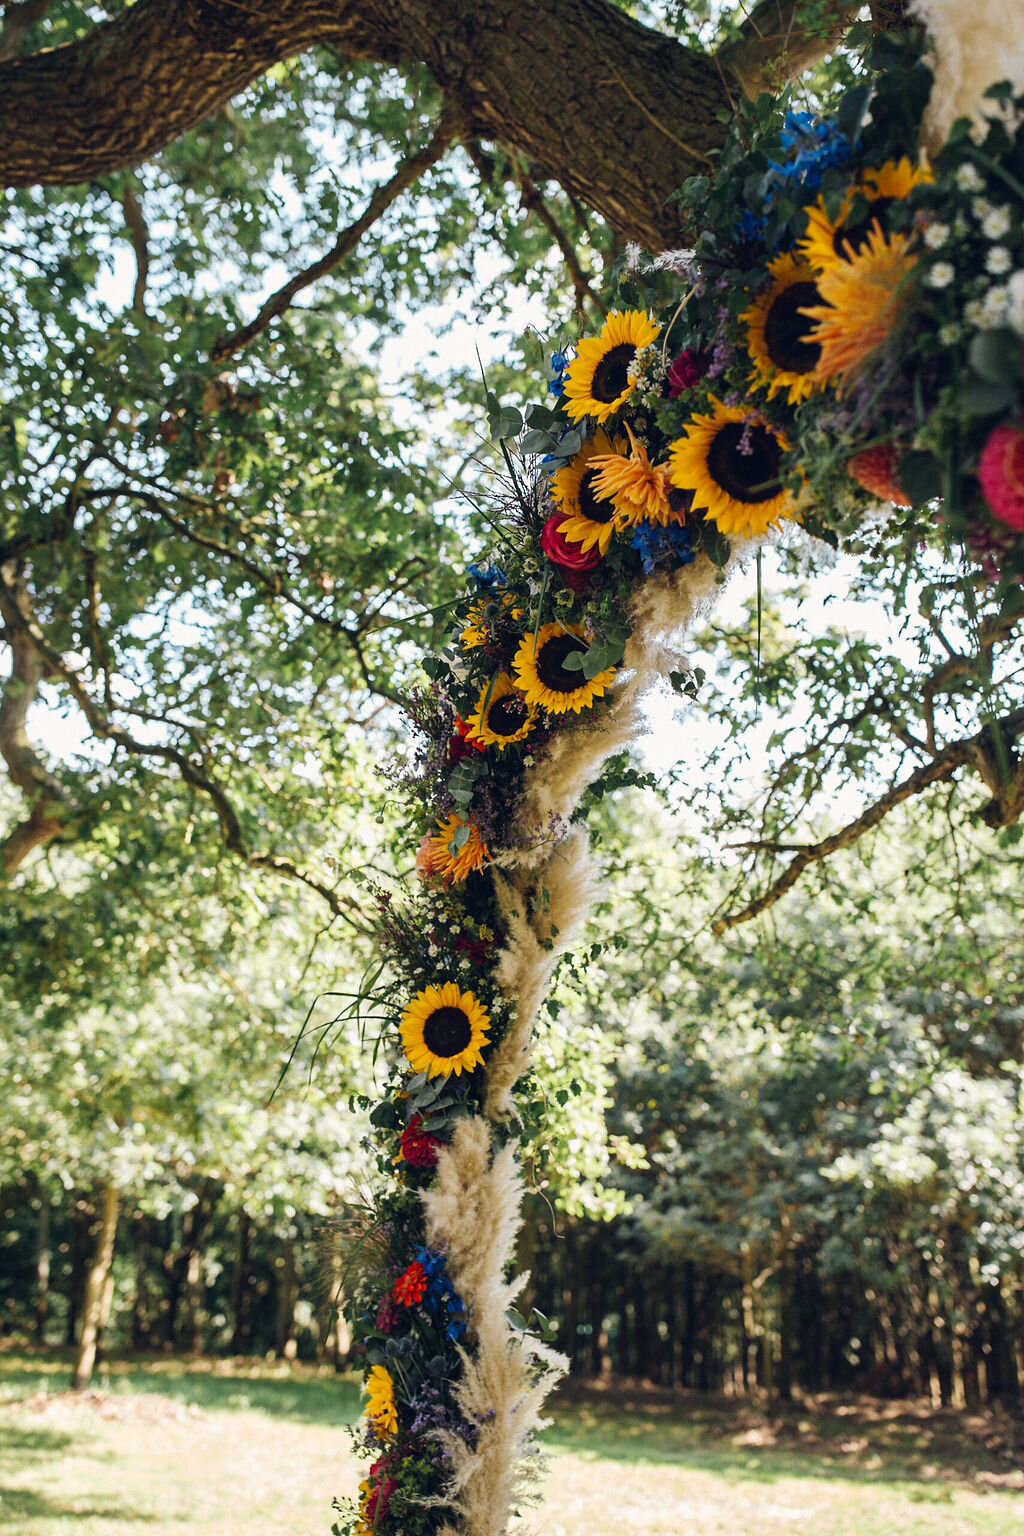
825	1436
20	1504
306	1394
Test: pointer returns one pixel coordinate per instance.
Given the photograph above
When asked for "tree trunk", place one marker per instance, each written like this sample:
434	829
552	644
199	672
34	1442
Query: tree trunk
81	1227
42	1306
287	1295
96	1292
240	1287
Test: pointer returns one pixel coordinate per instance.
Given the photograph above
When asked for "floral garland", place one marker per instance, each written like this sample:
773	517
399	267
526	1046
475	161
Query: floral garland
845	333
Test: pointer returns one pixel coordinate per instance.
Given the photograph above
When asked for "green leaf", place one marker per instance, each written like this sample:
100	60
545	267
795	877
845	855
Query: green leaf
537	441
995	356
920	476
979	398
575	661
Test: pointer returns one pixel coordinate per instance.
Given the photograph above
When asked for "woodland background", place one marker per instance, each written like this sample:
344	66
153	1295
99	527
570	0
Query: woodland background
777	1152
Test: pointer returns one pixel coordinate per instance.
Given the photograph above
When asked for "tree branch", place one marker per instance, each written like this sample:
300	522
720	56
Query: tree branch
49	806
772	48
407	172
533	200
23	628
979	750
138	229
18	19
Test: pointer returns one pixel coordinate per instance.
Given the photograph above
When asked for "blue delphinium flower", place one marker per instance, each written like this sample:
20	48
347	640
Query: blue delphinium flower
819	145
656	544
559	365
440	1294
488	577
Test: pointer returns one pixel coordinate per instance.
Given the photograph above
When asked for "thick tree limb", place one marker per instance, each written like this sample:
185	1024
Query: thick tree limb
617	113
407	172
1005	808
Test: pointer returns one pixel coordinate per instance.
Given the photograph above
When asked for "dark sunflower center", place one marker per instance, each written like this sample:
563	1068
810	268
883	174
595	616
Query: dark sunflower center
551	668
507	716
751	476
611	376
597	508
857	234
786	330
447	1032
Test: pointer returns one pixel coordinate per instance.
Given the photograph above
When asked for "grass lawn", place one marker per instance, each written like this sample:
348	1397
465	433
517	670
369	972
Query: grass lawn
226	1448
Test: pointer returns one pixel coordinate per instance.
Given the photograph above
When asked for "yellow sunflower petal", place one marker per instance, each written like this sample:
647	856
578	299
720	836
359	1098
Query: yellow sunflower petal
597	380
443	1031
828	241
731	462
778	327
589	518
502	716
544	679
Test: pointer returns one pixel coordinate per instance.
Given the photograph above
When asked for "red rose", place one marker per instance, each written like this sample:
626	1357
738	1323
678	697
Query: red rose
572	561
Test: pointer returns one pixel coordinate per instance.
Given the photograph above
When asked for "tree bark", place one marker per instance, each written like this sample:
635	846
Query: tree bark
42	1304
287	1295
96	1289
619	114
240	1287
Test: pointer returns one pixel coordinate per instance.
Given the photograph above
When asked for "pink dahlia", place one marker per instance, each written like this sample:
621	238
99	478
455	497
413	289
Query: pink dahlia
1001	472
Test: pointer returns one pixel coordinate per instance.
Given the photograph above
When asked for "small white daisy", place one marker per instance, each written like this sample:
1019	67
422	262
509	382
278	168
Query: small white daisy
967	178
949	335
998	260
936	235
1015	302
996	223
980	207
941	275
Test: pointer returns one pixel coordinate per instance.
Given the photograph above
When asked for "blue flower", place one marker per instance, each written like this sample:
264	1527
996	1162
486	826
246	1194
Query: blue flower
487	577
819	146
440	1295
656	544
559	365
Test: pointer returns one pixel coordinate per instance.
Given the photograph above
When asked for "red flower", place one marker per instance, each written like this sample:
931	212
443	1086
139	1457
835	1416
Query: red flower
417	1146
379	1496
411	1286
572	561
876	470
1001	472
687	370
476	949
459	747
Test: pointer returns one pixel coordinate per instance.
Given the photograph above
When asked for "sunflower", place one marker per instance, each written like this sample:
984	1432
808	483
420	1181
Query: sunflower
502	715
732	462
590	519
597	382
484	616
443	1029
380	1411
638	489
544	678
827	241
451	855
777	328
863	299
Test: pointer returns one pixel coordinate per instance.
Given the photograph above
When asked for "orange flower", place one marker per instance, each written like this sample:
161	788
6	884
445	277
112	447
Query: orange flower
411	1286
453	852
637	488
863	301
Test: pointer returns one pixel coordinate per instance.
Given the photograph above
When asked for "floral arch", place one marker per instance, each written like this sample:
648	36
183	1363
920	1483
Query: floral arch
845	335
